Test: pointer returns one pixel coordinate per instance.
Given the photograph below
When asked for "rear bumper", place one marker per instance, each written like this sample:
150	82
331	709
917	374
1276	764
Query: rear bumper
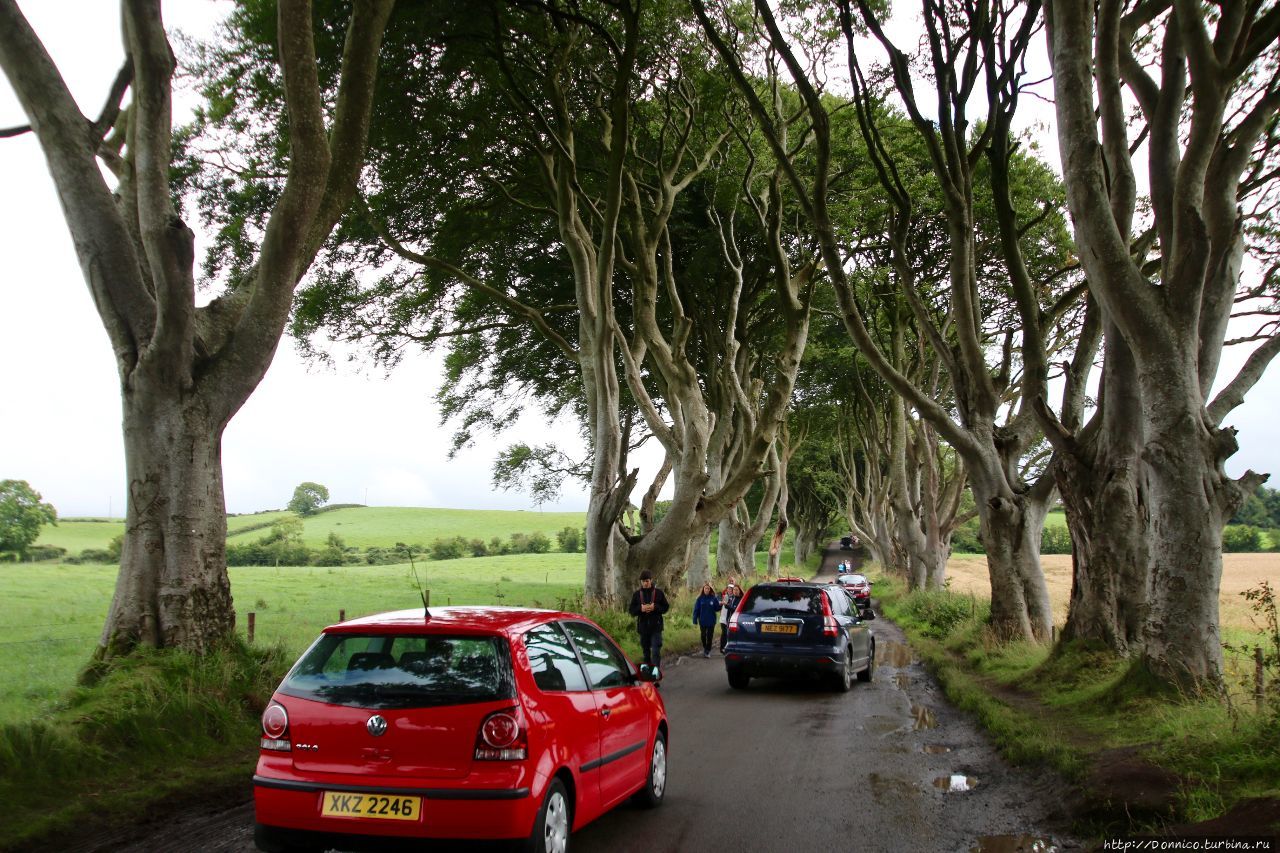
284	807
743	659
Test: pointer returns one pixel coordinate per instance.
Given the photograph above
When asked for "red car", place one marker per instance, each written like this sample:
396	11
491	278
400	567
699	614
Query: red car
859	588
464	723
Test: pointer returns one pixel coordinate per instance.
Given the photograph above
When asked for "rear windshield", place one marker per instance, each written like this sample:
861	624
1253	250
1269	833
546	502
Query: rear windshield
397	671
783	601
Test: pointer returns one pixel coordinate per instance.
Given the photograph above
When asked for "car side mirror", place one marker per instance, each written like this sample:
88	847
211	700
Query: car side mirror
645	675
868	615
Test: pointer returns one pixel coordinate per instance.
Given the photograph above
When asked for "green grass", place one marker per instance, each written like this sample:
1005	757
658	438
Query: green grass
157	723
359	527
77	536
51	615
383	527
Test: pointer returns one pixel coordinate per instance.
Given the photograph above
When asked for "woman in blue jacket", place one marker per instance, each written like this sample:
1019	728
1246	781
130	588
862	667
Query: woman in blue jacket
704	616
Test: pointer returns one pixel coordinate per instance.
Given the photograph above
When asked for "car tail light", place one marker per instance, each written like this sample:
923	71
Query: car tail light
733	618
502	737
275	728
830	627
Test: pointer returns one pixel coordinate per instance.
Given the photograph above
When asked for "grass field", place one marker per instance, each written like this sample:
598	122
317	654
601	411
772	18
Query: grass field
383	527
51	615
359	527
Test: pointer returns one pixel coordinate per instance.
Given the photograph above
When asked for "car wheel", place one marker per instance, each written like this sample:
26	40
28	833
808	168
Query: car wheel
844	679
865	675
276	840
655	786
553	823
738	681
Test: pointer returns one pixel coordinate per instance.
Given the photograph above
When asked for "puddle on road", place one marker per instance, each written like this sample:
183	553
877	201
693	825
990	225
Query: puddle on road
902	680
889	653
924	718
1015	844
935	749
887	790
881	725
956	783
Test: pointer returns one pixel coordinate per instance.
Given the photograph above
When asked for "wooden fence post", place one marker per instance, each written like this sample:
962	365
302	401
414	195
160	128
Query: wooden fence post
342	615
252	618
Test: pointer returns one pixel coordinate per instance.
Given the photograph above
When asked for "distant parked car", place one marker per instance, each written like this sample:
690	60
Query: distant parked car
792	628
456	723
859	588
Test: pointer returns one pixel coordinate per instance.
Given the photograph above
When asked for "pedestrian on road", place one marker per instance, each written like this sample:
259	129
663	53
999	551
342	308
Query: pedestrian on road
704	616
729	599
648	603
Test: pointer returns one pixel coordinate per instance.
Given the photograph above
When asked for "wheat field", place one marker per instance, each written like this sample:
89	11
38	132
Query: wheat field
968	574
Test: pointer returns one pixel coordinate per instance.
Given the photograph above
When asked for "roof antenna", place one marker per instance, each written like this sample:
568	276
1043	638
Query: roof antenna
423	592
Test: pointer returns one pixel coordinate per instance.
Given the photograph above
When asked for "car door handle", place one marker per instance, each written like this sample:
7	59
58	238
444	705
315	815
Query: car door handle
604	712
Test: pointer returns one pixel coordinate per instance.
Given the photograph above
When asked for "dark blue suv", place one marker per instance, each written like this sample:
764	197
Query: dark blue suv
791	628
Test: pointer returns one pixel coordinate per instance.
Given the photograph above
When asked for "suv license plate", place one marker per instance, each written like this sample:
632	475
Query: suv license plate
775	628
342	804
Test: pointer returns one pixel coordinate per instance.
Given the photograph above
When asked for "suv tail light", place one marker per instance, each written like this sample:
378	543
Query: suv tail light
502	737
275	728
733	617
830	627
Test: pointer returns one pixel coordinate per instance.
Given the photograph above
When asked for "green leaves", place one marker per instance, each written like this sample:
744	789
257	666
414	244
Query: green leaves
307	499
22	515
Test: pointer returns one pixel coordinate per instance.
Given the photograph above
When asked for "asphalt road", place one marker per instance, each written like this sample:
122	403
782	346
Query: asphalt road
781	767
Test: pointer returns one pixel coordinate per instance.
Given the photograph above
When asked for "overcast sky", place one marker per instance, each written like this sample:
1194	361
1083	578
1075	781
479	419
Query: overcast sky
368	438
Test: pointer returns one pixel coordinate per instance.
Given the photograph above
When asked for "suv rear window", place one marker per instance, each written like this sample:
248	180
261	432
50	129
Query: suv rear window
402	671
783	601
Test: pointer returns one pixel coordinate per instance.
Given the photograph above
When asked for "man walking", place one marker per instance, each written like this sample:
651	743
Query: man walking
647	605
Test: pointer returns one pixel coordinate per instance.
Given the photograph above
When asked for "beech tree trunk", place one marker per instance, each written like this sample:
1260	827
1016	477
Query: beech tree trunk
1011	526
1101	483
172	589
1205	85
185	370
1188	505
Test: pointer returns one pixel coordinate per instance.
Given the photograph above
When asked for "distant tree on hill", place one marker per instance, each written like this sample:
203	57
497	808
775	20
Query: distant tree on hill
22	515
308	498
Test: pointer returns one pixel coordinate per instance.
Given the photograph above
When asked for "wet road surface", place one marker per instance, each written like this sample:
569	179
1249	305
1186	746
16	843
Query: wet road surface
781	766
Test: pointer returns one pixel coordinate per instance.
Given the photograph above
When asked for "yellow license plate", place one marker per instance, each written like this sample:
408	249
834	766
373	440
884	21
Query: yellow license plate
772	628
343	804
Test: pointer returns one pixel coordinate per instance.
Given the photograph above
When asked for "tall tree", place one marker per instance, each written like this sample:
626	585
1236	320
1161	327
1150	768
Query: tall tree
1205	79
540	173
22	513
186	370
966	45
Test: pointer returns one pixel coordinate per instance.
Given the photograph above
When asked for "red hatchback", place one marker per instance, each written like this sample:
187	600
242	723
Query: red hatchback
472	723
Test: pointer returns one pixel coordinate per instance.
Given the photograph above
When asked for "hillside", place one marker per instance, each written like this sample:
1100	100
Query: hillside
360	527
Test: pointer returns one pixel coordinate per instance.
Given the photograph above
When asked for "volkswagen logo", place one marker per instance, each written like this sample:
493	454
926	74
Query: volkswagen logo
376	725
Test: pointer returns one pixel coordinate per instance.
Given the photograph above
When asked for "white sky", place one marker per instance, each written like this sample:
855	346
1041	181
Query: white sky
369	439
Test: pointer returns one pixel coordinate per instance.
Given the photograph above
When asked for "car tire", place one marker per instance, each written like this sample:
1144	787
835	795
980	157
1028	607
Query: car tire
272	839
843	680
865	675
739	681
655	784
554	822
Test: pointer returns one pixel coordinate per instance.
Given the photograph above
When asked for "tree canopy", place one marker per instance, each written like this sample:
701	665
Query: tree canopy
22	514
307	498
